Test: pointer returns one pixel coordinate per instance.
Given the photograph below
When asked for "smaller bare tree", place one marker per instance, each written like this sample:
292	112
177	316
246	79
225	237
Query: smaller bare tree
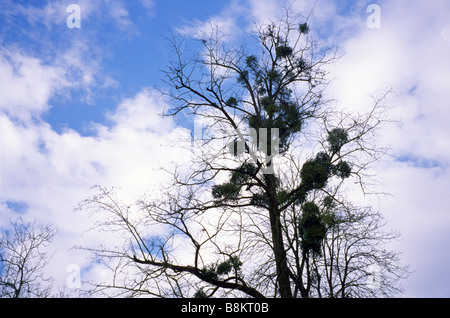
22	260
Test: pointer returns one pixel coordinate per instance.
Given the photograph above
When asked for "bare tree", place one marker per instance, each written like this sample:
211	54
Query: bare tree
260	212
354	260
23	259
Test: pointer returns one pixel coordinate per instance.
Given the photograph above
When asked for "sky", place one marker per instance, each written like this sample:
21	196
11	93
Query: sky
80	106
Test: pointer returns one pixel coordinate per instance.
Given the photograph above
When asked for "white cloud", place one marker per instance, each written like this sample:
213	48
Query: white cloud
409	53
203	29
27	84
37	160
118	12
148	6
53	13
49	172
52	171
418	210
82	65
261	11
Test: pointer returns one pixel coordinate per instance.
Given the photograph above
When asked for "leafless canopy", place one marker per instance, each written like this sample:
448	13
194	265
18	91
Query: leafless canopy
22	260
227	227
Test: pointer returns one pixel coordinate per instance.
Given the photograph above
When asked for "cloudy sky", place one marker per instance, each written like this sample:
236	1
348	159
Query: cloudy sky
80	106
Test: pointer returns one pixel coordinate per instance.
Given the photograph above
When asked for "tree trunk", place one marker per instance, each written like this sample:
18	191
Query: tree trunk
284	283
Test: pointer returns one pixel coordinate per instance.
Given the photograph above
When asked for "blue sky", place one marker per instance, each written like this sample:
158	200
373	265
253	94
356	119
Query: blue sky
76	104
127	48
